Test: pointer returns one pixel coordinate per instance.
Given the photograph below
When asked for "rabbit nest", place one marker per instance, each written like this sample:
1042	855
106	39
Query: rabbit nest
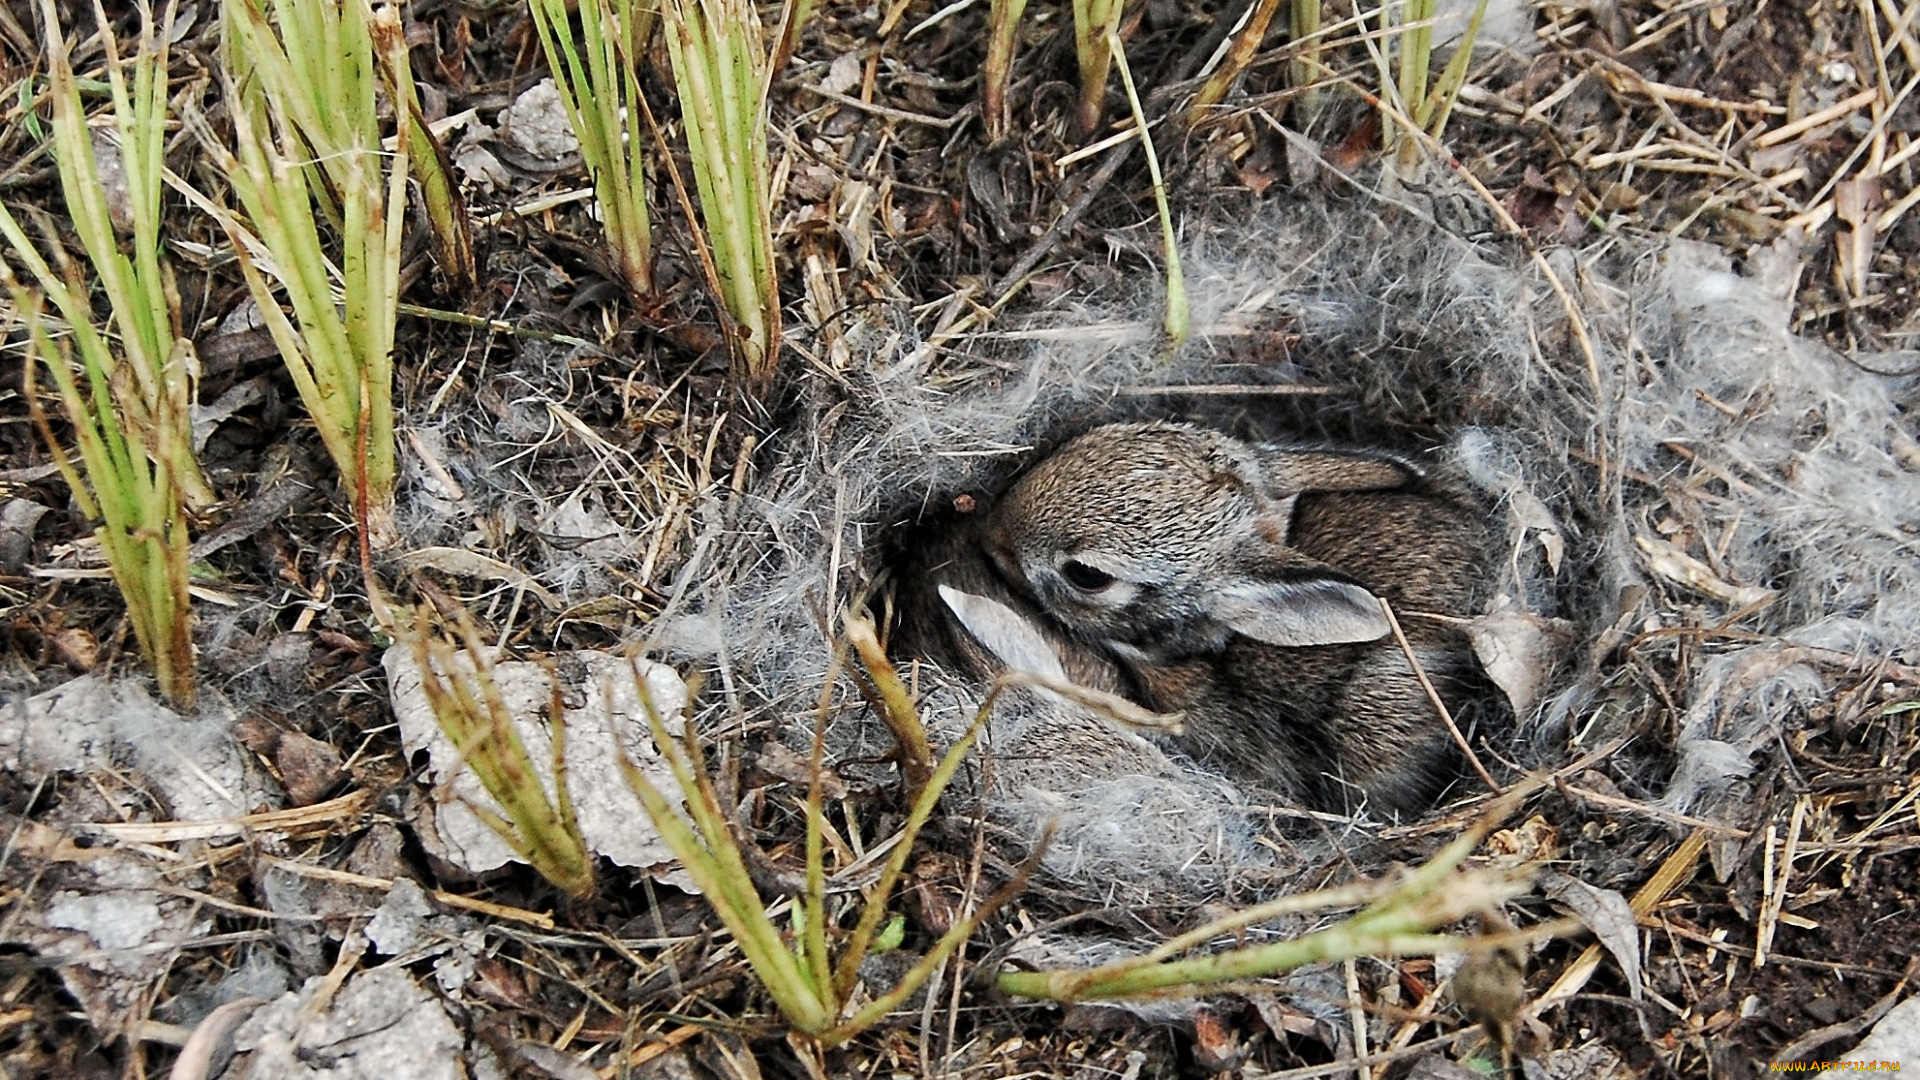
1692	495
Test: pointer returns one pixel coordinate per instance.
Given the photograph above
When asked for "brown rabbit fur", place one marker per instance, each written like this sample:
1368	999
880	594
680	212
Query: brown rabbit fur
1237	583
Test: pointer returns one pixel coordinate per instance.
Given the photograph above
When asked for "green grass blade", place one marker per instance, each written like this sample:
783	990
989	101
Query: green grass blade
1175	321
594	74
711	859
720	69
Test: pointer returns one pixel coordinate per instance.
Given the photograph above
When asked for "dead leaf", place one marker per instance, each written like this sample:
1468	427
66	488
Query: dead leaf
1281	1019
1519	650
463	563
784	764
1856	202
1531	515
75	648
843	74
1535	840
208	418
1667	561
308	767
17	520
1607	914
1214	1047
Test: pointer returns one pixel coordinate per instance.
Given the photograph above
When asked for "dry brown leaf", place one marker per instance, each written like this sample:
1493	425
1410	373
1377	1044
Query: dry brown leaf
1669	562
76	648
1519	650
1607	914
1535	840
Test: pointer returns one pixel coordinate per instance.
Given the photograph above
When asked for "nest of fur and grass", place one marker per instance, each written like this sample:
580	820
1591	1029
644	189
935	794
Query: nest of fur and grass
1639	196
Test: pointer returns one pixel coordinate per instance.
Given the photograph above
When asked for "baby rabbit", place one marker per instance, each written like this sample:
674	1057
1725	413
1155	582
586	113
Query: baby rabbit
1237	584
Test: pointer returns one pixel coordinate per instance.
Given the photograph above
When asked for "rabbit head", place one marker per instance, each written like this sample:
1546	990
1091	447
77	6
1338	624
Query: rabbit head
1164	540
957	609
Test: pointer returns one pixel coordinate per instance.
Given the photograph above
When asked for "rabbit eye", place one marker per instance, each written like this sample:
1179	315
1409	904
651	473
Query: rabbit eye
1084	577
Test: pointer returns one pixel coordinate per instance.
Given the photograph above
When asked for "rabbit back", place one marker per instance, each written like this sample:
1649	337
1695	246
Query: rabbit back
1347	725
1421	551
1339	727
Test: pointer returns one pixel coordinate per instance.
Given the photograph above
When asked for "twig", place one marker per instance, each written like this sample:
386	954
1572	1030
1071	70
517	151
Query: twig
1813	120
1229	390
1774	892
1654	812
538	919
1433	695
501	326
665	1044
170	832
941	122
1357	1016
1625	78
1063	224
1667	923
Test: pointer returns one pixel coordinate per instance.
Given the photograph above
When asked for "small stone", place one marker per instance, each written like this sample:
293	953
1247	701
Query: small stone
308	767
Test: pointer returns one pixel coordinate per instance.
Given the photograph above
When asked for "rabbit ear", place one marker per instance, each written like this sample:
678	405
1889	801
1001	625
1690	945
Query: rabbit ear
1297	612
1287	472
1006	633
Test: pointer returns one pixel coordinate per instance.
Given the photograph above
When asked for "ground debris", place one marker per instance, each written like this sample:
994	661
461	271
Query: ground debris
381	1025
605	718
1712	639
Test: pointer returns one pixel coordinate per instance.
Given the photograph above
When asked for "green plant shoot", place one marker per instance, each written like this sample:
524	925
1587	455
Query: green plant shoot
595	77
1401	918
465	698
1096	24
1306	67
1426	109
341	354
721	70
439	194
1175	321
1003	31
814	992
130	409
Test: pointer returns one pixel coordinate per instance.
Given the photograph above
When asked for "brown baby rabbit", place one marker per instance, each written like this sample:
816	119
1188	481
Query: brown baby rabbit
1238	584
